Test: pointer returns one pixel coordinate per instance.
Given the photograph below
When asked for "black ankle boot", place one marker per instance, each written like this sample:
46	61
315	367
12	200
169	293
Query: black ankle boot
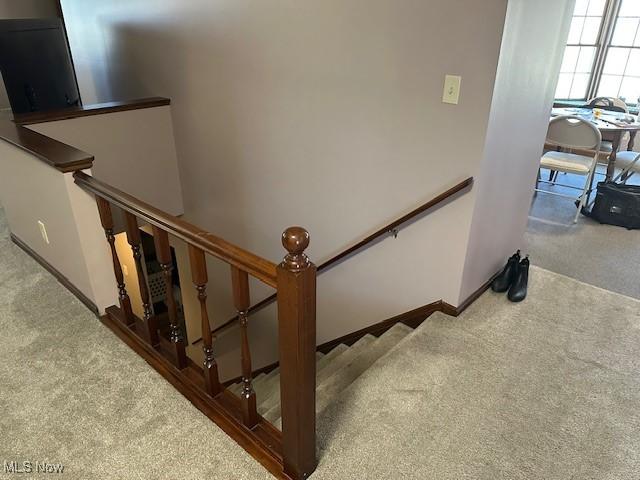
518	290
503	281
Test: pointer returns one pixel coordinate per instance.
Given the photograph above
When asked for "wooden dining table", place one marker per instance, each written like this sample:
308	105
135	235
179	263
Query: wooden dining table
611	126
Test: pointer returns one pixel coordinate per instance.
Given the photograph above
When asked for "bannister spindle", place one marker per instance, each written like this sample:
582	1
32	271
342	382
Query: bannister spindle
106	219
240	284
200	279
297	338
163	252
146	328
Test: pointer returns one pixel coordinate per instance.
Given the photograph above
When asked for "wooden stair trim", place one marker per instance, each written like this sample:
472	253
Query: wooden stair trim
263	442
59	276
89	110
58	155
436	201
412	318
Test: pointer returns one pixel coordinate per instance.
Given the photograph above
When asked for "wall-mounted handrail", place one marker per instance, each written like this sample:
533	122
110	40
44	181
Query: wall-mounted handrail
256	266
367	241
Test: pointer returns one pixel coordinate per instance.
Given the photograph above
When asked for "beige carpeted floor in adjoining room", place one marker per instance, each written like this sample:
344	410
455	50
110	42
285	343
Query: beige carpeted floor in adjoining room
603	255
547	389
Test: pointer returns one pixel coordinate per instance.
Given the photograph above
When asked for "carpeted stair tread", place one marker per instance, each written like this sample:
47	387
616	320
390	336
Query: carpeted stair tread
259	383
271	385
273	413
260	386
340	380
273	398
331	387
271	391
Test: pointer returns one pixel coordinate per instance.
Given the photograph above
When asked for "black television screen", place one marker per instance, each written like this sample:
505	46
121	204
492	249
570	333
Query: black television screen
36	65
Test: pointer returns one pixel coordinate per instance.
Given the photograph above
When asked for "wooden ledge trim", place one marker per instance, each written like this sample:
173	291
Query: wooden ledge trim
412	319
88	110
58	155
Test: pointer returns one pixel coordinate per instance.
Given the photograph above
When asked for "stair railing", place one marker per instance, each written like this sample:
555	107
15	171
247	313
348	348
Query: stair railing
390	228
293	450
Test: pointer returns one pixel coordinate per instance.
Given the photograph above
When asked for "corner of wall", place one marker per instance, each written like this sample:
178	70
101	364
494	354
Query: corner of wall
530	56
95	253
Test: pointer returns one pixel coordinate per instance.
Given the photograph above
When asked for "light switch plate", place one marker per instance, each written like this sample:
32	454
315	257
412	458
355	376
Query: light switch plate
451	92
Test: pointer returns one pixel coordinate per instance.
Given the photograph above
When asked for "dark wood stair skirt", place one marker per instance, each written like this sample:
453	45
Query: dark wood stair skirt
263	442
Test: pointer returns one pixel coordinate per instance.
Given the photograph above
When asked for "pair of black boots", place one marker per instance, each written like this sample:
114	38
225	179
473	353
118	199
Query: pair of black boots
514	278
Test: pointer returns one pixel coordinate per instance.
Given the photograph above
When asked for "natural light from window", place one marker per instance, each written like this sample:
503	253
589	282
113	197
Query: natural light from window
621	73
580	53
602	57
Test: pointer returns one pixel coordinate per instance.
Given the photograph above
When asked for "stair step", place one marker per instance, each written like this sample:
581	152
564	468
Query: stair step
270	394
259	383
331	387
342	360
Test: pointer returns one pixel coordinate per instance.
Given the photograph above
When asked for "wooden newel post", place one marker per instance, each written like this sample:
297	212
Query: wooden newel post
297	338
106	219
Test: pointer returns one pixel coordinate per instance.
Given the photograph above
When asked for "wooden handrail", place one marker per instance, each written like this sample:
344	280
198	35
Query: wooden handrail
357	246
254	265
289	453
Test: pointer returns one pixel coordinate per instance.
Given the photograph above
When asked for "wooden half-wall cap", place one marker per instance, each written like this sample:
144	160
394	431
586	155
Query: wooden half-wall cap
58	155
88	110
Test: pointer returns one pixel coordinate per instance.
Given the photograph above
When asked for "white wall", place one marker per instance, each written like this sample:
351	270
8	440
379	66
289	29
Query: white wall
32	191
134	151
532	48
326	114
24	9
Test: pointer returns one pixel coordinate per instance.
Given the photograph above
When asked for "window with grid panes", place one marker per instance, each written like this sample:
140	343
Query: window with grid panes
580	54
621	73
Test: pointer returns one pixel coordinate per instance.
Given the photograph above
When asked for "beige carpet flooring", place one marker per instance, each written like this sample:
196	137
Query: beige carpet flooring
546	389
601	255
72	393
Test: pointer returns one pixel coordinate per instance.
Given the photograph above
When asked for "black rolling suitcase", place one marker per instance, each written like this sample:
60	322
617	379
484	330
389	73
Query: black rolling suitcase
617	204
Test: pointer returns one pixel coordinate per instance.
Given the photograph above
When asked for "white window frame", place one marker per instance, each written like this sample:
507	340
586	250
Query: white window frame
611	10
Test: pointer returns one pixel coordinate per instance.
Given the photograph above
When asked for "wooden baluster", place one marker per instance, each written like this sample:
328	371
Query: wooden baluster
106	218
147	327
200	279
163	251
240	284
297	339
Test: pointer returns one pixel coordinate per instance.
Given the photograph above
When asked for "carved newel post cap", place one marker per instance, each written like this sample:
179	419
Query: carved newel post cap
295	240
